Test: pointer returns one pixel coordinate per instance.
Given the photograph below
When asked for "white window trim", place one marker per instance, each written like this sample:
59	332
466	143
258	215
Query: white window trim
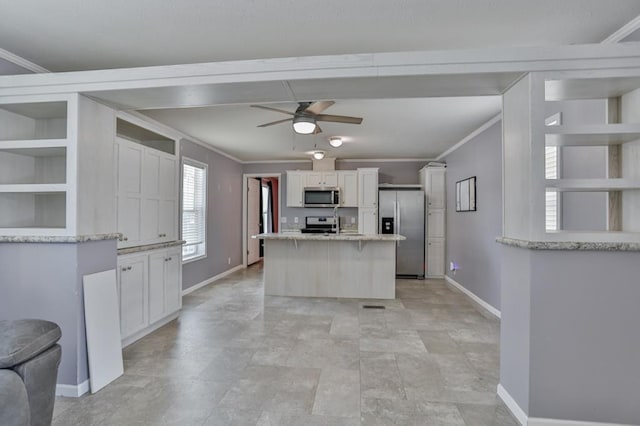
195	163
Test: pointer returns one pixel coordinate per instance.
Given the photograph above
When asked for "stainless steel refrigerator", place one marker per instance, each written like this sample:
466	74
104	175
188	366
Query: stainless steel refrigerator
401	211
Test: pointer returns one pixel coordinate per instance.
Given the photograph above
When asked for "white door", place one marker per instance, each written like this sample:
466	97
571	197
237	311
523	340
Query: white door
134	295
253	219
330	179
172	284
348	184
156	286
295	185
435	257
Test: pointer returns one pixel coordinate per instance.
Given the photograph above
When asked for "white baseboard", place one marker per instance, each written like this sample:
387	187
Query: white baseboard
512	405
73	391
212	279
534	421
524	420
493	311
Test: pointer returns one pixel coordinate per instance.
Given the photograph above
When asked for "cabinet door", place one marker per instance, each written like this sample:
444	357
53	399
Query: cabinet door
156	286
172	282
150	220
330	179
295	185
435	257
367	221
435	224
168	222
348	184
368	188
132	283
151	174
168	177
129	216
129	167
313	179
436	189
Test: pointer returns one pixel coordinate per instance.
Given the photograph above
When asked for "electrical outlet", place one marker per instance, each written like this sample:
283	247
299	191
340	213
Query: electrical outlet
452	266
353	219
295	219
229	261
283	220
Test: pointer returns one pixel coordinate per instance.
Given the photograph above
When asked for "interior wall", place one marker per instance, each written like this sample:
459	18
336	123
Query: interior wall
224	215
584	336
471	235
51	289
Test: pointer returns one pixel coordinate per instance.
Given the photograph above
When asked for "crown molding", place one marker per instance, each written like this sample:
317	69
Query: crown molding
470	136
623	32
21	62
382	160
275	161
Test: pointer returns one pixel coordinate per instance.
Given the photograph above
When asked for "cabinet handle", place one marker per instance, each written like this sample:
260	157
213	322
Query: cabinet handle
124	268
170	258
126	239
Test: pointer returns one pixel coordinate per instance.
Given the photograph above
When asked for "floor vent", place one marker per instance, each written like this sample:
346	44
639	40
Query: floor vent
373	307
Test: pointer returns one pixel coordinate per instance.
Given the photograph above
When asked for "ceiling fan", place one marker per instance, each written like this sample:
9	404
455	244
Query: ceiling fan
306	116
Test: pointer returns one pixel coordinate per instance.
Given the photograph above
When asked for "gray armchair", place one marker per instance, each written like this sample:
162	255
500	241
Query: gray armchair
29	360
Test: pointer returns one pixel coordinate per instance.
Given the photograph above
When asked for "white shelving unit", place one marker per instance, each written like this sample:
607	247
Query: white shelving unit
617	131
35	137
56	162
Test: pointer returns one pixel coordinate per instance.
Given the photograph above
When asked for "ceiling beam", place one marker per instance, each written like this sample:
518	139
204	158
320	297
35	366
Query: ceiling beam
461	62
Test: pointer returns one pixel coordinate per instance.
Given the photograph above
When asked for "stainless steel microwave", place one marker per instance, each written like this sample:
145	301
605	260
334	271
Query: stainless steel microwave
321	197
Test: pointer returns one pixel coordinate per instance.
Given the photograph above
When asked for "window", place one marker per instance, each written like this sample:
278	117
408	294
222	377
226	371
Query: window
552	209
194	209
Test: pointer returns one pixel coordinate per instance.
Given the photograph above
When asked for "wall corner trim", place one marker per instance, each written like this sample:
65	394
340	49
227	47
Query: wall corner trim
512	405
73	391
493	311
211	280
623	32
22	62
470	136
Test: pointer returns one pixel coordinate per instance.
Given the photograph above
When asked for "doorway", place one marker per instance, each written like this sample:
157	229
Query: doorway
261	212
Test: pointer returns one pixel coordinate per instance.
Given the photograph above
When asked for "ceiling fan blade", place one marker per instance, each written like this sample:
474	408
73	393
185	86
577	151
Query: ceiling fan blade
272	109
338	119
318	107
275	122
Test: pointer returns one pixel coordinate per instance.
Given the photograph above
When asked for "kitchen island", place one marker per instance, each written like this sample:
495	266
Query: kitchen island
334	265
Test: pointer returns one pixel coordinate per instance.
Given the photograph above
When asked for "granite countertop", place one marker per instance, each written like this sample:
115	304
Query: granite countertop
138	249
329	237
568	245
57	239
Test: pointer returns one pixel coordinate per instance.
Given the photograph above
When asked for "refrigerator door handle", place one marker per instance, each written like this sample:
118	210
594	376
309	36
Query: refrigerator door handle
398	227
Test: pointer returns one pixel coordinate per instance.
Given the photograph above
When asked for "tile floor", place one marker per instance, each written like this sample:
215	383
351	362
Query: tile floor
236	357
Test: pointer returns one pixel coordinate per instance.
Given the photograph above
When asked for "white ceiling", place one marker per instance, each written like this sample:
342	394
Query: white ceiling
83	35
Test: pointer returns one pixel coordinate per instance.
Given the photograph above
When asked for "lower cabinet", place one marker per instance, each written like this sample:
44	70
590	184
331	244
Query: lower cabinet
435	257
150	290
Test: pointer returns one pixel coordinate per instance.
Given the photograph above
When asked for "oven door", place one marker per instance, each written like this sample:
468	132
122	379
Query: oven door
321	197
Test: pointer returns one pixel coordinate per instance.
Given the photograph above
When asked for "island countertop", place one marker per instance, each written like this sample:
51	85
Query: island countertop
298	236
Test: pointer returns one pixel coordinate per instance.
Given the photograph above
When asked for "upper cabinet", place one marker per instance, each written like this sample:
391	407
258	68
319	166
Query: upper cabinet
348	184
147	182
315	179
368	188
49	184
296	181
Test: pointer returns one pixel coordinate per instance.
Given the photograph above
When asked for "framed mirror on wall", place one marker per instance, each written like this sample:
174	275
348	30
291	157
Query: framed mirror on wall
466	195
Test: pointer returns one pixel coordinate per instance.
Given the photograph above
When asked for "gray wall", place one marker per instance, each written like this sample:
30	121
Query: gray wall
585	340
224	215
45	281
471	235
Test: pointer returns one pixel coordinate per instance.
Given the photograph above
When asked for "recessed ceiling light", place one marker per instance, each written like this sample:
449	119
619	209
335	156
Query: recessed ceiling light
335	141
318	155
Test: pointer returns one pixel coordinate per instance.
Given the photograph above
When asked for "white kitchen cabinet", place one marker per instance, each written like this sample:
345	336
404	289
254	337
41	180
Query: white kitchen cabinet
150	288
435	257
296	181
164	284
368	220
368	188
348	184
315	179
133	286
147	196
433	182
435	223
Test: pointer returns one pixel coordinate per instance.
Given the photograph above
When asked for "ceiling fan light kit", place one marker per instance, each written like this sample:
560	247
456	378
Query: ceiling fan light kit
335	141
304	125
318	155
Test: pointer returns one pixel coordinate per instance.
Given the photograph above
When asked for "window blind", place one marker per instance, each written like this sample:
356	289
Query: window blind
551	197
193	210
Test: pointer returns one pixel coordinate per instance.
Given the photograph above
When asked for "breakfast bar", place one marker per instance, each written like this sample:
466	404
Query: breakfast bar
335	265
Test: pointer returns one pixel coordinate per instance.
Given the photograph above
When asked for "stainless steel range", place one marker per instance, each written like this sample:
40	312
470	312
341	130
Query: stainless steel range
320	225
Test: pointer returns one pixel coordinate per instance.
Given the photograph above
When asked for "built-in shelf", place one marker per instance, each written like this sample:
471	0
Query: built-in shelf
39	188
24	144
33	121
591	185
592	135
589	88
